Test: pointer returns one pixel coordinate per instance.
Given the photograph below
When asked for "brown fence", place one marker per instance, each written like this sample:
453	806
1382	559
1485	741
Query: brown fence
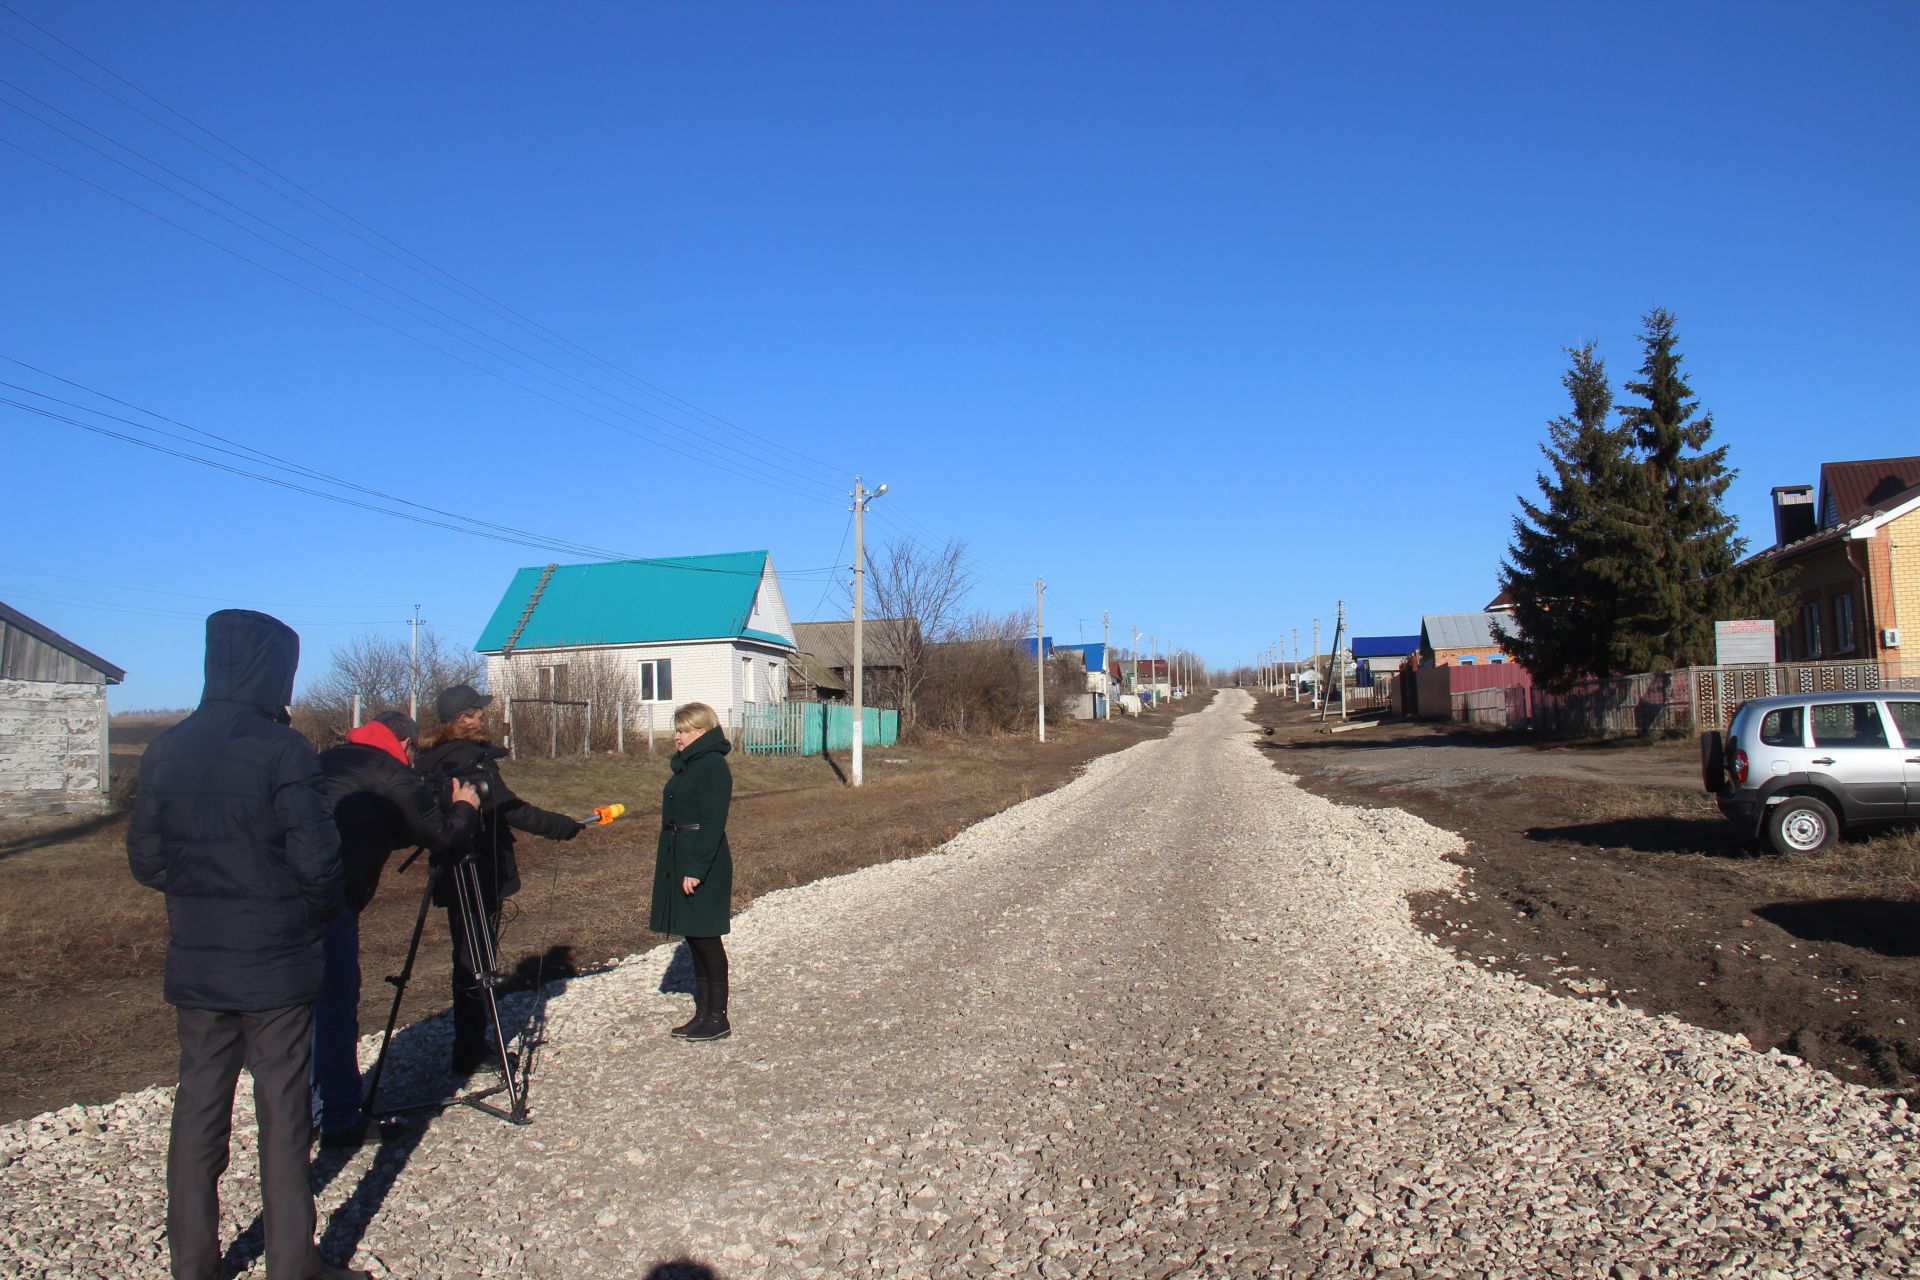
1685	702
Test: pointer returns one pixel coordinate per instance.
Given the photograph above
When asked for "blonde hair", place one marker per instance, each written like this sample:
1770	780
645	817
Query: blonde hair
696	715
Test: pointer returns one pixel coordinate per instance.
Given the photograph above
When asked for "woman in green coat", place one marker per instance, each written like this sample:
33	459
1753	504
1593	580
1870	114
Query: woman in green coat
693	868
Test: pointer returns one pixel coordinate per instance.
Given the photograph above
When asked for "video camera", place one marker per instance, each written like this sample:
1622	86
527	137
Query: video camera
476	773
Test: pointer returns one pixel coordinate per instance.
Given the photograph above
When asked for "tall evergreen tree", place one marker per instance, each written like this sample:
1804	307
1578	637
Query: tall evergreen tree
1561	563
1681	569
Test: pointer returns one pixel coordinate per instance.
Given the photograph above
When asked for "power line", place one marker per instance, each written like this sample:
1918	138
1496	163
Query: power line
653	436
469	293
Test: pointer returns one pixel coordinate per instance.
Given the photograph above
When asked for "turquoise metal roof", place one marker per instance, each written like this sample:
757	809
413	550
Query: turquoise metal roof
631	602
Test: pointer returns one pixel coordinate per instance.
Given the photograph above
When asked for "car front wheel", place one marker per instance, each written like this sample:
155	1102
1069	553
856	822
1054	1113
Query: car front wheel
1800	825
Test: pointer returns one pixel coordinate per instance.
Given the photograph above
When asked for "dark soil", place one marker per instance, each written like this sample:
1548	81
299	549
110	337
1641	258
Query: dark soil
1602	870
81	945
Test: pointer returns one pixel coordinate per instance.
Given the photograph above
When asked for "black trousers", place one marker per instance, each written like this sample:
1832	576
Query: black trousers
276	1048
470	1020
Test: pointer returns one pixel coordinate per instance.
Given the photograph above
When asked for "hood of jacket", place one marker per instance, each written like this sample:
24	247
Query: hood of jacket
377	735
712	742
251	659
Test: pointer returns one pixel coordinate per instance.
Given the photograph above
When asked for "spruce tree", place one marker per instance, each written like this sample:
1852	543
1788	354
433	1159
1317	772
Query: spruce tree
1561	564
1681	568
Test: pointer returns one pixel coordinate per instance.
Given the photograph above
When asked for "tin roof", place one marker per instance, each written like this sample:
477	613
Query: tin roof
1849	490
1466	630
632	602
1896	503
832	642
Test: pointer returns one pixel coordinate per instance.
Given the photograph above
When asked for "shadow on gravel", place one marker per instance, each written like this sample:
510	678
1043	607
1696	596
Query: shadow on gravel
678	979
1713	837
682	1269
1879	925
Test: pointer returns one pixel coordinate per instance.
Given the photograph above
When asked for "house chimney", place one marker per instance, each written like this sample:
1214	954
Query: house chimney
1793	516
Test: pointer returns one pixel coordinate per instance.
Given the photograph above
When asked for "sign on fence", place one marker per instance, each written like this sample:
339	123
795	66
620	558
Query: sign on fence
1743	642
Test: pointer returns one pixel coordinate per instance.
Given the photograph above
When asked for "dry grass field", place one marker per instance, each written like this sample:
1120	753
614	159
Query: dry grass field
81	945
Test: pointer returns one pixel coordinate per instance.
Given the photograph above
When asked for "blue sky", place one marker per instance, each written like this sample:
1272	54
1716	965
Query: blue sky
1210	315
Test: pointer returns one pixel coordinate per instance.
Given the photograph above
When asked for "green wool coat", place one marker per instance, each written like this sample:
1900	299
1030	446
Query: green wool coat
698	793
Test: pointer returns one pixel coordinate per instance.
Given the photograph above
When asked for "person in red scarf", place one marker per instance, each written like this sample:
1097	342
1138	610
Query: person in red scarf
380	805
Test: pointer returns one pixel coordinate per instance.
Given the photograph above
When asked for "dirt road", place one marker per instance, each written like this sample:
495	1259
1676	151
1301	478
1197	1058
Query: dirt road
1173	1019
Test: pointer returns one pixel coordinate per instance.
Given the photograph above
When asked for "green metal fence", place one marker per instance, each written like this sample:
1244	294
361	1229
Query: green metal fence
807	728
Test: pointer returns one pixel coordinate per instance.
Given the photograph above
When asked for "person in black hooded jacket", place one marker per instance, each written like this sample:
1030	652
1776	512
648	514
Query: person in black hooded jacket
230	822
460	748
381	804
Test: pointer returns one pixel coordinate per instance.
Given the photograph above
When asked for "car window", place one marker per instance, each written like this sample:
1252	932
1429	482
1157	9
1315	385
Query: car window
1782	727
1906	718
1848	724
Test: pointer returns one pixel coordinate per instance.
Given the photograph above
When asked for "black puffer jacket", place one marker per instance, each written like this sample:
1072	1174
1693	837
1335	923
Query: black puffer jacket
380	804
231	823
501	812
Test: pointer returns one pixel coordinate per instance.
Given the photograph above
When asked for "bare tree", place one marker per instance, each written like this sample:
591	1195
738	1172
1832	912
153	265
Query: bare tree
379	668
917	596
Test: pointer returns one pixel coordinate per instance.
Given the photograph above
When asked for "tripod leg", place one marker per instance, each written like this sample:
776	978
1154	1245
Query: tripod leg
399	992
478	930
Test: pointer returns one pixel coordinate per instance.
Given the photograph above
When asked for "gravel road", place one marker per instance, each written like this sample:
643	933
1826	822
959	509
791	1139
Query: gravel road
1172	1019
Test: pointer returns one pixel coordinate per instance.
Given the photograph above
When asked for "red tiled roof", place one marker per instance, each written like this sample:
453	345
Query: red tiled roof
1853	489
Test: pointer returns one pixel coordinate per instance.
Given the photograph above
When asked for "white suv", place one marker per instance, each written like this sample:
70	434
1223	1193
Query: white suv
1793	769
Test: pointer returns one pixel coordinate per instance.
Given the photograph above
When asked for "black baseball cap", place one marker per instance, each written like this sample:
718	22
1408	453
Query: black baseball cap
460	698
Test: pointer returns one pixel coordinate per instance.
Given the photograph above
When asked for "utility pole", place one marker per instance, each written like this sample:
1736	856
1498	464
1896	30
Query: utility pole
1296	665
1317	690
1134	655
1106	659
1153	665
1040	651
860	500
413	682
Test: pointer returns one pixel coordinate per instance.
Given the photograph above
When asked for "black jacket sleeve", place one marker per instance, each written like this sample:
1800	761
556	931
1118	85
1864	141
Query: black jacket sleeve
306	818
530	818
428	824
146	855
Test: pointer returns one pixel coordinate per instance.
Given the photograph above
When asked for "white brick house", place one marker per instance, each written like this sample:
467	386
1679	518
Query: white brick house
53	720
710	629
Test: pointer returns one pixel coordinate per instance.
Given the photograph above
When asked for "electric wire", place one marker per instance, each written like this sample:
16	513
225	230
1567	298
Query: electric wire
653	436
470	293
469	524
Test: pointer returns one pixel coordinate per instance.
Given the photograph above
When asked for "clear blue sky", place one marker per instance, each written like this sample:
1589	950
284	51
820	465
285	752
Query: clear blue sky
1209	314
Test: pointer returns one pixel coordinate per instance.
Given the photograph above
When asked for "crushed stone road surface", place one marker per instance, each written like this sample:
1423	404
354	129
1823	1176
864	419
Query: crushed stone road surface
1172	1019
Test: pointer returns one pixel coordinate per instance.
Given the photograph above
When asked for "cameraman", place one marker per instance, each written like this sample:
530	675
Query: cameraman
380	805
459	748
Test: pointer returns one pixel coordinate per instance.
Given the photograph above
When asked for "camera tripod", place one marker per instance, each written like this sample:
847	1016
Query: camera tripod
476	933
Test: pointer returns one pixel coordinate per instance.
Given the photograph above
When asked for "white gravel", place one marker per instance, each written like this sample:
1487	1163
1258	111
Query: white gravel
1172	1019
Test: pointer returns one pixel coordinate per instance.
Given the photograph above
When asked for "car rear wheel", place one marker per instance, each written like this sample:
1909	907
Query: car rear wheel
1800	825
1713	760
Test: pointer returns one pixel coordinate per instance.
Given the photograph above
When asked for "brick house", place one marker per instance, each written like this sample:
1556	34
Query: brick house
1464	639
53	720
1849	558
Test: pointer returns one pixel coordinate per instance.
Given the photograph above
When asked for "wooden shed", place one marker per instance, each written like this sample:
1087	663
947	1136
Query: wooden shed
53	720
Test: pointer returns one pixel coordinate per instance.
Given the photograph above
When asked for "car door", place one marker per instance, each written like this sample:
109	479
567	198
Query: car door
1851	743
1905	714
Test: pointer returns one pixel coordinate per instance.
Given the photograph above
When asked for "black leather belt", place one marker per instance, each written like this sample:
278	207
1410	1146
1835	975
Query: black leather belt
683	826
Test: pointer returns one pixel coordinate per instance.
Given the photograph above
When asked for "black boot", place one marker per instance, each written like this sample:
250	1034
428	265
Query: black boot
714	1026
700	1003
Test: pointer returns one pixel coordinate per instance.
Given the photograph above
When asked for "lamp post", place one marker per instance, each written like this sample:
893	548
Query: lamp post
860	500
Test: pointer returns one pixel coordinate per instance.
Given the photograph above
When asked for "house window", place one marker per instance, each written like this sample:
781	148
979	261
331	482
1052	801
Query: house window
656	680
746	680
552	682
1843	623
1810	630
1466	659
1497	658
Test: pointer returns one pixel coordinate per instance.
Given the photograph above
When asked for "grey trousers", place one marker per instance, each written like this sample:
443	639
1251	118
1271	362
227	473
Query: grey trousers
276	1048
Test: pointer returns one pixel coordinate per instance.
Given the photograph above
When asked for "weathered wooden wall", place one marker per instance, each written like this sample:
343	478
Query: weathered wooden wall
25	656
53	747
